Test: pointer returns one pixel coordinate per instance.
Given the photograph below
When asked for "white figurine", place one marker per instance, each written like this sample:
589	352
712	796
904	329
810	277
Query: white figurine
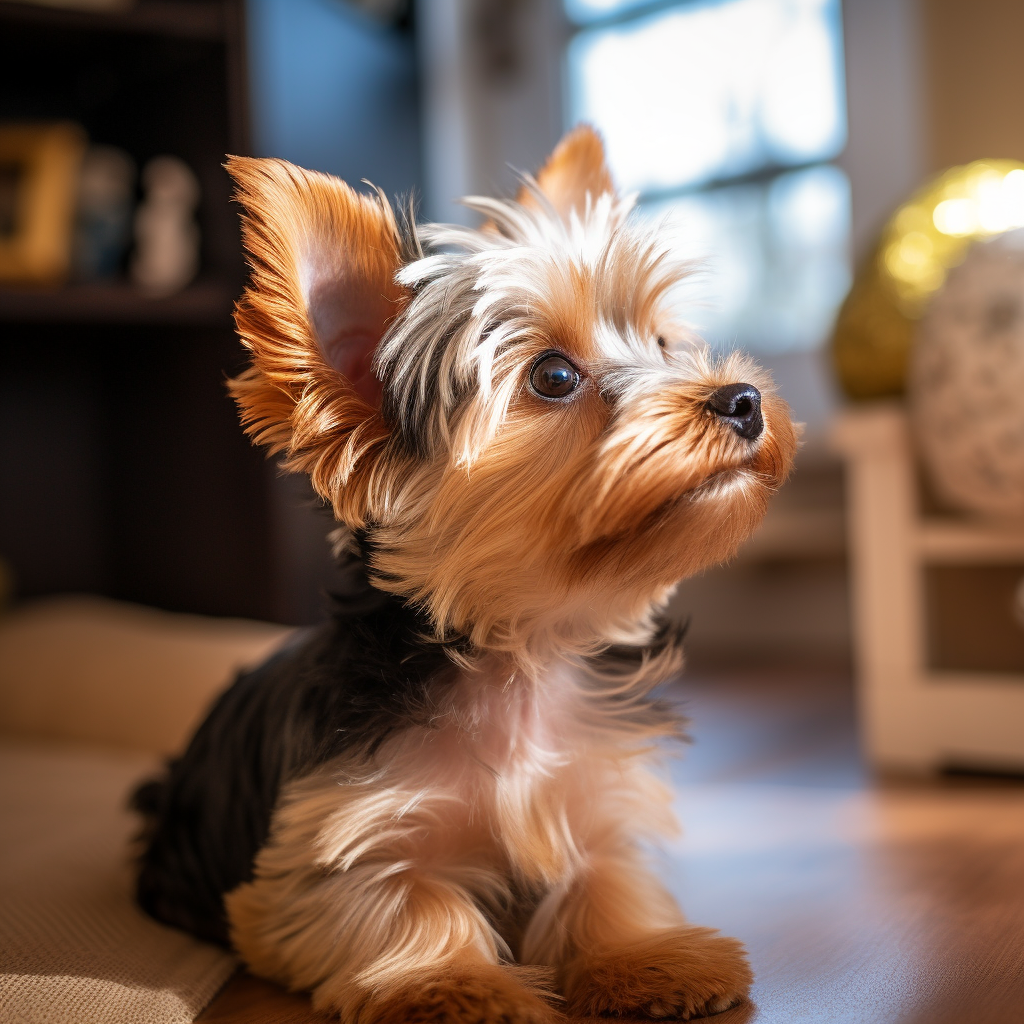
166	235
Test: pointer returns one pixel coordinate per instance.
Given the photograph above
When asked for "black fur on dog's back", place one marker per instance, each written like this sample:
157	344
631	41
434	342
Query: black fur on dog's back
344	686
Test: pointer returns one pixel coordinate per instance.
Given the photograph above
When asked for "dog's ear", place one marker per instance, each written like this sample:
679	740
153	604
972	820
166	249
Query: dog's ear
321	294
575	169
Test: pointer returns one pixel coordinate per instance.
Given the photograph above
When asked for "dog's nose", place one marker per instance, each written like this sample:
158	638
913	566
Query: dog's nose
740	404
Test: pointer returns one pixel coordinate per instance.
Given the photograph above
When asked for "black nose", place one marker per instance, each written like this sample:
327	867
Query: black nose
740	404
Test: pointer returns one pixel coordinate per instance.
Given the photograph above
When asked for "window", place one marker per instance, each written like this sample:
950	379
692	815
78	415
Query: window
723	117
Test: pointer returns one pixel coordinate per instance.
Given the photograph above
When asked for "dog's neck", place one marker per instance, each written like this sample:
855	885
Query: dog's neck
612	641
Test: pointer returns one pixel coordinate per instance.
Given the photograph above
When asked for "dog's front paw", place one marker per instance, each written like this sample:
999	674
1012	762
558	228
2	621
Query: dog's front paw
681	973
493	995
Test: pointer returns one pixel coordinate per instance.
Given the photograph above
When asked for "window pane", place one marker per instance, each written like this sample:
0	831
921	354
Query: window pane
774	258
709	91
588	10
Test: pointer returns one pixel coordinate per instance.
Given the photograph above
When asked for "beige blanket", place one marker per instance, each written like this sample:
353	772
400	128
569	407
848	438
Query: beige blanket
91	692
73	945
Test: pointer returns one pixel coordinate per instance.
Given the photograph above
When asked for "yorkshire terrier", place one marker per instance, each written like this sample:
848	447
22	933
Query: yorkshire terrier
435	808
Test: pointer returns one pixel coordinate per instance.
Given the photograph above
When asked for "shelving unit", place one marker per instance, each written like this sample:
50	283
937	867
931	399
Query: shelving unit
202	304
191	19
123	470
927	700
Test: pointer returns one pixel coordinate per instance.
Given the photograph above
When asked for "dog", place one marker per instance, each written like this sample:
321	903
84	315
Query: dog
436	806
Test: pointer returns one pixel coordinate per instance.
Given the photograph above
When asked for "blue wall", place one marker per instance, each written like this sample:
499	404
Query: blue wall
334	92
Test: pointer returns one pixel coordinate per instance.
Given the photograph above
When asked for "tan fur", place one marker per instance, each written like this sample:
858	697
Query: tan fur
625	511
574	170
402	886
315	244
471	992
678	973
421	849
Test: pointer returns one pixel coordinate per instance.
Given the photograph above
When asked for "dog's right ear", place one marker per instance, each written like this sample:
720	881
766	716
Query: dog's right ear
321	294
576	169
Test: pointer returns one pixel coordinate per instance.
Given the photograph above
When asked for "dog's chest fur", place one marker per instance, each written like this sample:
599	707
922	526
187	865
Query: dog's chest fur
362	744
500	796
505	773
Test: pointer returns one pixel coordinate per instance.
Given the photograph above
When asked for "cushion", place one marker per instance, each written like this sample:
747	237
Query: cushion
92	692
86	668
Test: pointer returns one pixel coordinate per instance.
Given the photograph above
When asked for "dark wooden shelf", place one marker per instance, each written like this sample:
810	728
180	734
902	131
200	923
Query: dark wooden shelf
206	303
190	19
122	467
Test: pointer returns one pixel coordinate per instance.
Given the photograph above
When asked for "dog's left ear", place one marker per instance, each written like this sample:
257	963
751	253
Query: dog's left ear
321	294
575	169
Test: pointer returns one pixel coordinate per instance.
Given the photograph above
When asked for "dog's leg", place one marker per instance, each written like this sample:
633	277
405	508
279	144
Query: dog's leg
371	896
619	945
382	943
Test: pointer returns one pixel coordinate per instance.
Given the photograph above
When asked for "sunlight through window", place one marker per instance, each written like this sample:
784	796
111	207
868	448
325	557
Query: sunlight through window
706	108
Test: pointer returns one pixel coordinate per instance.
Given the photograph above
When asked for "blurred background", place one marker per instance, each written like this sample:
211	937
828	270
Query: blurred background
776	135
849	175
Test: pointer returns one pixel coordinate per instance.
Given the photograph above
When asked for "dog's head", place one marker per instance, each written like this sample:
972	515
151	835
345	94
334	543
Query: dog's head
530	440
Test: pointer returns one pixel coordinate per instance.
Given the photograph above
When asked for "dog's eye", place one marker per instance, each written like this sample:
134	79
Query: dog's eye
661	341
553	376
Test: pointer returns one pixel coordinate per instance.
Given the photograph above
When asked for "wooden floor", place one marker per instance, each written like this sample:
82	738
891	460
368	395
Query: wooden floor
860	900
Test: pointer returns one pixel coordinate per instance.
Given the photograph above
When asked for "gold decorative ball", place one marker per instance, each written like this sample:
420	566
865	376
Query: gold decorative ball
923	240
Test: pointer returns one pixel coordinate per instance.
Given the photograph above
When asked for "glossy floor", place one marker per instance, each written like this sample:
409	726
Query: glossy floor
860	901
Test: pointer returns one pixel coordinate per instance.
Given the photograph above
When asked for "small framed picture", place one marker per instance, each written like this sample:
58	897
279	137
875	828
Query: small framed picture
39	166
